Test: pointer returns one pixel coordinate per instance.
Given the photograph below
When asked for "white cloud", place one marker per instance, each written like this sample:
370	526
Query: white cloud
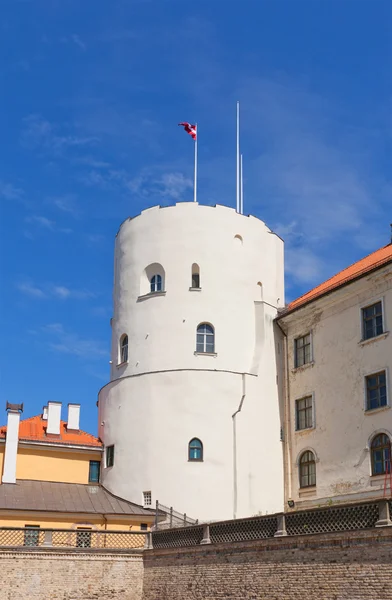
42	221
78	41
66	203
72	343
40	133
47	291
9	191
31	290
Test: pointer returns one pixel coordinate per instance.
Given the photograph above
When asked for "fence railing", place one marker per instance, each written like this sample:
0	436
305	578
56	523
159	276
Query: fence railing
330	519
82	538
173	518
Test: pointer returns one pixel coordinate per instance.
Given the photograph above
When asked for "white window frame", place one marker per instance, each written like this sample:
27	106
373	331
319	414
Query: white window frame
147	496
367	304
298	337
313	426
205	336
371	411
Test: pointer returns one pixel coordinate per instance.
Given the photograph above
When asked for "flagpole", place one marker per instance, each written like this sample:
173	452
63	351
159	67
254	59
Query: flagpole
242	189
238	157
195	182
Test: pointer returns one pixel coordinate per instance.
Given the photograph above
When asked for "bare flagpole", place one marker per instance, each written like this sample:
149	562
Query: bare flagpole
242	188
238	157
195	182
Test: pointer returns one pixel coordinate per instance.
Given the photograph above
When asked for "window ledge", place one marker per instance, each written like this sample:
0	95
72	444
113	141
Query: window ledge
376	480
306	429
303	367
376	338
193	289
308	491
371	411
205	354
198	460
122	364
150	295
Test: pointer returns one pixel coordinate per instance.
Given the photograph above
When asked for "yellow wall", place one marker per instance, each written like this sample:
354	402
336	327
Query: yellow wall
45	464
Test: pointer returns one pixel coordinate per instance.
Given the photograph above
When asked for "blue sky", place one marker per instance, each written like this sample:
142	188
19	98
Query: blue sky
90	98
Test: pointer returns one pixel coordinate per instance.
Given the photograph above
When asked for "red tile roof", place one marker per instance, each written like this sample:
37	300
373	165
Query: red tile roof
34	430
365	265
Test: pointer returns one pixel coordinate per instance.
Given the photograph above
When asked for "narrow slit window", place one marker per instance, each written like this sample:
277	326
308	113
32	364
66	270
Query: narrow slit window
195	276
124	349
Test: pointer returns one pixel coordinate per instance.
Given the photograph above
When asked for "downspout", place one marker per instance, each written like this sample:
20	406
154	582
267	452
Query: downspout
105	529
233	416
287	415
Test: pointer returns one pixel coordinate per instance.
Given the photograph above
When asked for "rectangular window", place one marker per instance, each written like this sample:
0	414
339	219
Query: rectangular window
109	456
83	537
302	347
147	499
143	526
372	320
94	470
304	413
31	535
376	390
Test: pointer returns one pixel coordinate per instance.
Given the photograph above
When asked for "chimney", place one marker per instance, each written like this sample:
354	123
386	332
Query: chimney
54	417
73	417
44	413
11	442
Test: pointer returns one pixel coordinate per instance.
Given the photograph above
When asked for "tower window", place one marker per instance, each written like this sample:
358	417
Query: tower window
307	469
205	338
109	456
381	454
195	276
123	349
156	283
195	450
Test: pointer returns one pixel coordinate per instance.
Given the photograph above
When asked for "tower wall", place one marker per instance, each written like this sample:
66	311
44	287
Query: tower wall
166	394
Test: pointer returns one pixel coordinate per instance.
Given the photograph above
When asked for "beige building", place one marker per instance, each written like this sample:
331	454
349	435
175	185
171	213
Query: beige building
336	386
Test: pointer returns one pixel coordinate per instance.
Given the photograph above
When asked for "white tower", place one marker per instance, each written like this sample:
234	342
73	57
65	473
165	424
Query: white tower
195	420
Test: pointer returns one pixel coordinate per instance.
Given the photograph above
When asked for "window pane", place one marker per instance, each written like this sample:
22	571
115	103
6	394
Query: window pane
94	471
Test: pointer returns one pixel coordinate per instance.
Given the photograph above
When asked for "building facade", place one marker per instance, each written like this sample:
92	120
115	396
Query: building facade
50	477
337	393
192	416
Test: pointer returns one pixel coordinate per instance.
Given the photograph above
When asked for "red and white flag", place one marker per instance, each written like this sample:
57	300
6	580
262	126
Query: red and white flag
191	129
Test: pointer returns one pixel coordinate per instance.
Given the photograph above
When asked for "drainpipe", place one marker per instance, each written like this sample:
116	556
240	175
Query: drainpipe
233	416
287	415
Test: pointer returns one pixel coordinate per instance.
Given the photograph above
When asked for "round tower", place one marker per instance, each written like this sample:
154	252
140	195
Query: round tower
191	414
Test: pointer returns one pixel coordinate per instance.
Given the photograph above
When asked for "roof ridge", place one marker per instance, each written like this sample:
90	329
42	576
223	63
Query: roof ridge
341	271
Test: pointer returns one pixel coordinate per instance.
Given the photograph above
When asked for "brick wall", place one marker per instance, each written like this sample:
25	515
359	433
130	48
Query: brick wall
58	575
344	566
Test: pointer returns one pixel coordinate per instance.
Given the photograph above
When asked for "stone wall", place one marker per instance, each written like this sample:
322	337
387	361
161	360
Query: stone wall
340	566
61	575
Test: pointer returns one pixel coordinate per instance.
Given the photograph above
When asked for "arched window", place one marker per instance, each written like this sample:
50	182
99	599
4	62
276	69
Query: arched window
381	454
195	450
307	469
124	348
156	283
205	338
195	276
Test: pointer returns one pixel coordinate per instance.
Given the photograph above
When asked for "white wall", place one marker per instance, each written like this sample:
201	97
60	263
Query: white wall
337	379
166	394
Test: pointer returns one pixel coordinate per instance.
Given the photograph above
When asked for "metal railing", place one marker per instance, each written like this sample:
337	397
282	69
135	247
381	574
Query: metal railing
173	518
82	538
348	517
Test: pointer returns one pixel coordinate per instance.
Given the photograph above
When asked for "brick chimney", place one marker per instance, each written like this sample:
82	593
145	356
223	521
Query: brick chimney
11	442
